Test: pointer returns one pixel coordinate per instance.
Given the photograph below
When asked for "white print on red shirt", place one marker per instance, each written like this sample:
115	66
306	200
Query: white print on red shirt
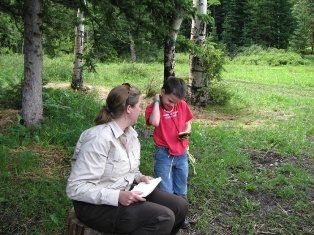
170	115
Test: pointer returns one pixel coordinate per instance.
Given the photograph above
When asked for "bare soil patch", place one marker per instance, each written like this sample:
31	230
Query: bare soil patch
54	161
6	116
267	159
262	159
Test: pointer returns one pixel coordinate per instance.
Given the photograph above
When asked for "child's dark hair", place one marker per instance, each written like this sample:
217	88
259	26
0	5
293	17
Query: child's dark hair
174	86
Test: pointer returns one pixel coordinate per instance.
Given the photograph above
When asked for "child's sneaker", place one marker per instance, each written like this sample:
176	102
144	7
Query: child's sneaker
186	224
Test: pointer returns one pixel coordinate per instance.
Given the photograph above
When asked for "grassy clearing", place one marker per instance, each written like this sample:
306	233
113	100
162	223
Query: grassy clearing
287	76
254	165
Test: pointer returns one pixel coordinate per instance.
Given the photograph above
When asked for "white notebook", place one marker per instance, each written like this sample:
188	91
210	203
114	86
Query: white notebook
147	188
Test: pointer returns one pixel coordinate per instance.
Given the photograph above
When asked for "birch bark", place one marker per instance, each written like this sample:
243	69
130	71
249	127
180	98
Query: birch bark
198	75
170	45
132	48
77	77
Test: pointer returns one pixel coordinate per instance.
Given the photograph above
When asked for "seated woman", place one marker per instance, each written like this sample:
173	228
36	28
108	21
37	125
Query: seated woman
105	165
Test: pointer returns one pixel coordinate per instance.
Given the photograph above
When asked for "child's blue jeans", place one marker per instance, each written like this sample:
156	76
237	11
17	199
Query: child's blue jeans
173	170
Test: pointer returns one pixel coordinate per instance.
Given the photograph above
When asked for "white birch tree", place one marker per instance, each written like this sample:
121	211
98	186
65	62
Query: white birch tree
77	77
132	48
32	104
170	44
198	74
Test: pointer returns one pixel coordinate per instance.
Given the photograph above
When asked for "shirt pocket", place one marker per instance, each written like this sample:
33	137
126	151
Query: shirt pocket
119	164
135	160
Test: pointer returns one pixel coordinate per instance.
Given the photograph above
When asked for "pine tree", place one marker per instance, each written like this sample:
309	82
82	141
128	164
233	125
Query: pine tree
234	24
32	103
303	36
275	23
231	31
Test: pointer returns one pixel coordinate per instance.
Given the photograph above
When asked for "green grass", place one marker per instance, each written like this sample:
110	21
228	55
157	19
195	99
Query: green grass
283	76
254	155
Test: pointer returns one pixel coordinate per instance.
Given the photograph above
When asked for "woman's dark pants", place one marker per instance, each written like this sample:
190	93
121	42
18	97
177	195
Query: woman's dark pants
162	214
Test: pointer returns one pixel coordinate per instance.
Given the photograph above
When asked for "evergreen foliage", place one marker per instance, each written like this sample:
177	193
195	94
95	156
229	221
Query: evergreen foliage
54	42
11	39
244	23
303	37
235	23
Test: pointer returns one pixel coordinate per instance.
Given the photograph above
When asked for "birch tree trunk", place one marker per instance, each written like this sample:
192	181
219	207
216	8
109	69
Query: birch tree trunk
77	77
198	75
32	103
132	48
170	45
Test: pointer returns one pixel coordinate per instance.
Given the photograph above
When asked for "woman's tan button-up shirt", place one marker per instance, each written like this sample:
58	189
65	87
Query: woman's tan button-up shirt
106	161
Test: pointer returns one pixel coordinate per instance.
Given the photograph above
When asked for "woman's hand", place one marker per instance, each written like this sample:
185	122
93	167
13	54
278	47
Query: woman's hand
126	198
145	179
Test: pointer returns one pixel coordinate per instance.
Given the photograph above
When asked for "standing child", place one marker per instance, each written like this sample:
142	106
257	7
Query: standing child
171	117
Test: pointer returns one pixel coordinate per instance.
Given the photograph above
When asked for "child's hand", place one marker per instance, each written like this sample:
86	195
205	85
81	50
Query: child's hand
184	135
156	98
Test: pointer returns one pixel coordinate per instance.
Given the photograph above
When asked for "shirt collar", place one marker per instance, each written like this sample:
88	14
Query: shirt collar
117	132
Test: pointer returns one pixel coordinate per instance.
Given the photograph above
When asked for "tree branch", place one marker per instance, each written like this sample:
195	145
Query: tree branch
10	9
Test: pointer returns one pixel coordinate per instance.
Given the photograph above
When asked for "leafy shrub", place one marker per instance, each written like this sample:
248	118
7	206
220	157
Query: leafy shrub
271	56
212	58
254	49
219	93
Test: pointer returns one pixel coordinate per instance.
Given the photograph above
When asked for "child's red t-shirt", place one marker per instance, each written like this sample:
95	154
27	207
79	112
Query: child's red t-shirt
171	123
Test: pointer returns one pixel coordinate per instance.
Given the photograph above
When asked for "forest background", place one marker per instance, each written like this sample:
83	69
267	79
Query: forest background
253	142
